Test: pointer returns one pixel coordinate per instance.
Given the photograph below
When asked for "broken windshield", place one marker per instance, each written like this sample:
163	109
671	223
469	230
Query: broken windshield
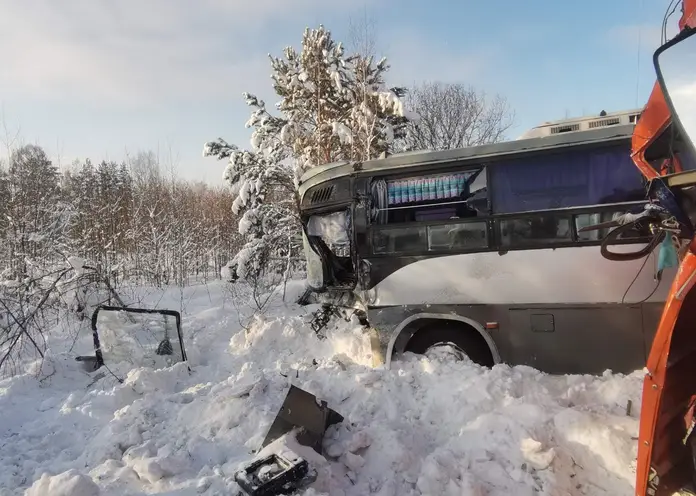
333	230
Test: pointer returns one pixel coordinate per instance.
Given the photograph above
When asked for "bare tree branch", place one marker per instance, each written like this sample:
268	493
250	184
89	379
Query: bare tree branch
24	323
455	116
362	36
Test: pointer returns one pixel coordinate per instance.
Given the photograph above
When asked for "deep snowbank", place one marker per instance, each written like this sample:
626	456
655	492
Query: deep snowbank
427	426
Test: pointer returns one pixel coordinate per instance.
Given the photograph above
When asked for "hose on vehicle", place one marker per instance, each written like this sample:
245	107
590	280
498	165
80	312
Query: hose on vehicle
613	237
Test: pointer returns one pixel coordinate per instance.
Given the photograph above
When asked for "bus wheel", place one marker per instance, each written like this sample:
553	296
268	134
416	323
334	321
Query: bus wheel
446	351
451	338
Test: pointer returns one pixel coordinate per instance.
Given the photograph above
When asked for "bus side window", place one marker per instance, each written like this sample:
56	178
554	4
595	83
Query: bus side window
565	179
431	197
462	236
586	220
539	229
589	219
399	240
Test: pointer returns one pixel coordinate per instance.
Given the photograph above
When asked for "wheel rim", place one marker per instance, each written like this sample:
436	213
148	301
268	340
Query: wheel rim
446	350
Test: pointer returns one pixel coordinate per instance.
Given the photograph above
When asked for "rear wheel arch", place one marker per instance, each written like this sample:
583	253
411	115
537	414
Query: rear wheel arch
412	326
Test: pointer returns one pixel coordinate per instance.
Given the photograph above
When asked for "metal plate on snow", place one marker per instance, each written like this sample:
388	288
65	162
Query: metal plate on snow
301	410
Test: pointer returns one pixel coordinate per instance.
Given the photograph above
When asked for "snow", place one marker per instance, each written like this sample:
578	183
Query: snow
76	263
69	483
390	102
287	133
248	219
427	426
342	131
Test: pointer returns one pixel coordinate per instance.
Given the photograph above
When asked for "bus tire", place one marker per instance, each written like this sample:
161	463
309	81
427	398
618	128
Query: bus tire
463	337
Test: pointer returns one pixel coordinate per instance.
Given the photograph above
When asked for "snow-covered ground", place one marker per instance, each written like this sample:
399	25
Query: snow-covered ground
427	426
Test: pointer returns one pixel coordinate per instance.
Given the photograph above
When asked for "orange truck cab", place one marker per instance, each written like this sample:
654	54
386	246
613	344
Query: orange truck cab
663	149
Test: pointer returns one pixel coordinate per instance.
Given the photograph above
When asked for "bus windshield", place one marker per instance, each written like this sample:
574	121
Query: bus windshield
328	248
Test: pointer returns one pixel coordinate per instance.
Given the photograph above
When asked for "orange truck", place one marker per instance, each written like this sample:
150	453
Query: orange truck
663	148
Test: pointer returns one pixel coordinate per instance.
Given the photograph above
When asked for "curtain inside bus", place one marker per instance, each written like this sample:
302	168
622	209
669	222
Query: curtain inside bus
380	201
567	179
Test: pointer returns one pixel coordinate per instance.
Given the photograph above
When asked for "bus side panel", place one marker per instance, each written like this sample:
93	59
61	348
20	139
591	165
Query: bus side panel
558	339
578	340
572	275
652	313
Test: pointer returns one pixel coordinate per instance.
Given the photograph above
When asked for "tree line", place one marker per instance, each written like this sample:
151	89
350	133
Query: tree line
132	220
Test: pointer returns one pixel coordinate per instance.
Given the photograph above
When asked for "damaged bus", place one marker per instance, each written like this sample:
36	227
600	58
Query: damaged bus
480	250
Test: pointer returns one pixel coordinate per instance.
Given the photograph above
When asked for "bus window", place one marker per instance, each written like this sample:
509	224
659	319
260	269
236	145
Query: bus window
568	179
315	266
463	236
333	230
685	160
430	197
399	240
329	236
590	219
535	230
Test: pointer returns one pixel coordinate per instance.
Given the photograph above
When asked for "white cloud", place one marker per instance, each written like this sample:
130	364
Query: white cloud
138	53
133	54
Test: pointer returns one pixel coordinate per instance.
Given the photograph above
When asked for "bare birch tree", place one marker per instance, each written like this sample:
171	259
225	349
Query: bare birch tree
454	115
362	36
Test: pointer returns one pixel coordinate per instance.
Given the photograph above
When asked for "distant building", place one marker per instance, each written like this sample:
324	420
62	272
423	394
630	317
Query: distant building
584	123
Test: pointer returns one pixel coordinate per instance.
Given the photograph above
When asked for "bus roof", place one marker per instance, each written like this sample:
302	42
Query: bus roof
473	153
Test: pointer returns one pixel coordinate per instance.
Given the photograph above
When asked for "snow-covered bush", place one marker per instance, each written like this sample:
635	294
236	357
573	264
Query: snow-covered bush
34	303
332	107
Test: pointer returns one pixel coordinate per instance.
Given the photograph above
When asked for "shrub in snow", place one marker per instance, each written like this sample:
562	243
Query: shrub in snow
332	107
31	304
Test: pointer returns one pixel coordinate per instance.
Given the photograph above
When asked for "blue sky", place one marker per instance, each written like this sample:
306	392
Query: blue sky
99	79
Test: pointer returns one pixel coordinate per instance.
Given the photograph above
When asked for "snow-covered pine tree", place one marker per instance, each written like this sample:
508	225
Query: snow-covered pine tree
266	198
377	115
332	107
